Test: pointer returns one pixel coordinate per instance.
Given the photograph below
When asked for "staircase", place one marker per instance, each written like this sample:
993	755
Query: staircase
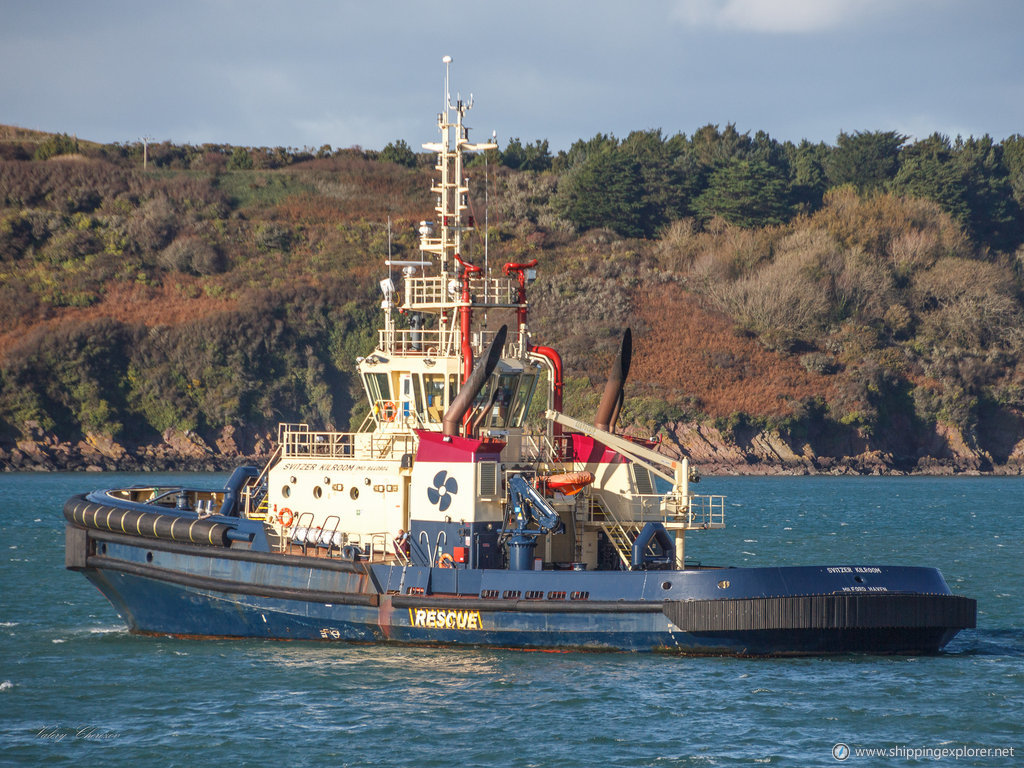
620	535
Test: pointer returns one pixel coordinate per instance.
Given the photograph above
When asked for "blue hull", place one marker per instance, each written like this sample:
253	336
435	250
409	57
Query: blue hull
186	589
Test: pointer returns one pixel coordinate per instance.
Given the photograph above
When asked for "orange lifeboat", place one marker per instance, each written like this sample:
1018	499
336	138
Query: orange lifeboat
569	483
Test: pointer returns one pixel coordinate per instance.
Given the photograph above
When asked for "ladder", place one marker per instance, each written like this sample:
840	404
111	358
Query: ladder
620	535
620	539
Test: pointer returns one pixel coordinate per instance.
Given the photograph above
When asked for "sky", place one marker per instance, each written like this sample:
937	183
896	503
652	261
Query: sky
309	73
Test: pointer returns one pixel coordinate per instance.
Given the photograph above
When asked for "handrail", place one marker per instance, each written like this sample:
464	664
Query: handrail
435	291
254	483
439	541
347	445
616	530
387	545
420	540
703	512
300	534
329	540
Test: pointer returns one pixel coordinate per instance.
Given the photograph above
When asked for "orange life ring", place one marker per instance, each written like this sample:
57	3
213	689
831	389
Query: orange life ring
445	561
285	517
388	410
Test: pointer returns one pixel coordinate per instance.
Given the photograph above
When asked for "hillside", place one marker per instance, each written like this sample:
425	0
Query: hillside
170	316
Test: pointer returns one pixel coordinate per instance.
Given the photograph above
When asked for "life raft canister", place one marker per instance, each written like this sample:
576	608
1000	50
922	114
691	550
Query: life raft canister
569	483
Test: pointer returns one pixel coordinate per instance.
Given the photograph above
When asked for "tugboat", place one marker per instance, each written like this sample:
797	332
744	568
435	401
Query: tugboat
446	519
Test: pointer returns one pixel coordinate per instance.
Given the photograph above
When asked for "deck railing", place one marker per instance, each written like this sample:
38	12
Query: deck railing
704	512
407	342
346	445
435	292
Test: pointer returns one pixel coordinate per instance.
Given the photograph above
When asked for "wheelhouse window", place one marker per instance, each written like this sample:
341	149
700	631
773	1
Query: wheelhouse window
433	391
505	399
418	396
378	388
501	399
523	398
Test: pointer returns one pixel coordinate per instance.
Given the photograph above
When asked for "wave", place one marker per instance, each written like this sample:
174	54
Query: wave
988	642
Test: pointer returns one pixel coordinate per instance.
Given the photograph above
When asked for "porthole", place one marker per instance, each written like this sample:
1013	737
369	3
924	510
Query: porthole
666	585
327	481
367	481
354	493
149	557
286	491
318	492
724	584
292	480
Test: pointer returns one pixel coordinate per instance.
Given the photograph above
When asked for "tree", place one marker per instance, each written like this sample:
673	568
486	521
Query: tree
581	151
669	175
1013	157
531	157
400	153
748	193
240	160
995	217
807	174
713	147
868	160
605	191
765	148
926	171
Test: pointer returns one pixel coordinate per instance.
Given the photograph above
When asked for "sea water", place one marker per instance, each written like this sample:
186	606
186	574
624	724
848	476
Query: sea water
77	689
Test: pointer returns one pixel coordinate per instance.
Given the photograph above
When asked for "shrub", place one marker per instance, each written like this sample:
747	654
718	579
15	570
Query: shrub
189	253
240	160
273	237
782	302
400	153
57	144
968	304
15	237
819	362
153	226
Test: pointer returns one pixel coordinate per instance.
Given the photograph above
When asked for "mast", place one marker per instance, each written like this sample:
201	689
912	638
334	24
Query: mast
451	192
439	292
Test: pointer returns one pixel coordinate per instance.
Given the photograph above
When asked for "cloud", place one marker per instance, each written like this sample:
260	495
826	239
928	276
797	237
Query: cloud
775	16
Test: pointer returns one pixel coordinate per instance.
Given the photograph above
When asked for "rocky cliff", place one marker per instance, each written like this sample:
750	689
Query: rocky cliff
175	451
841	452
711	450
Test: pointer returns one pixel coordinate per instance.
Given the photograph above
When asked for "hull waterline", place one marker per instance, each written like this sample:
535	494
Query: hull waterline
189	590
